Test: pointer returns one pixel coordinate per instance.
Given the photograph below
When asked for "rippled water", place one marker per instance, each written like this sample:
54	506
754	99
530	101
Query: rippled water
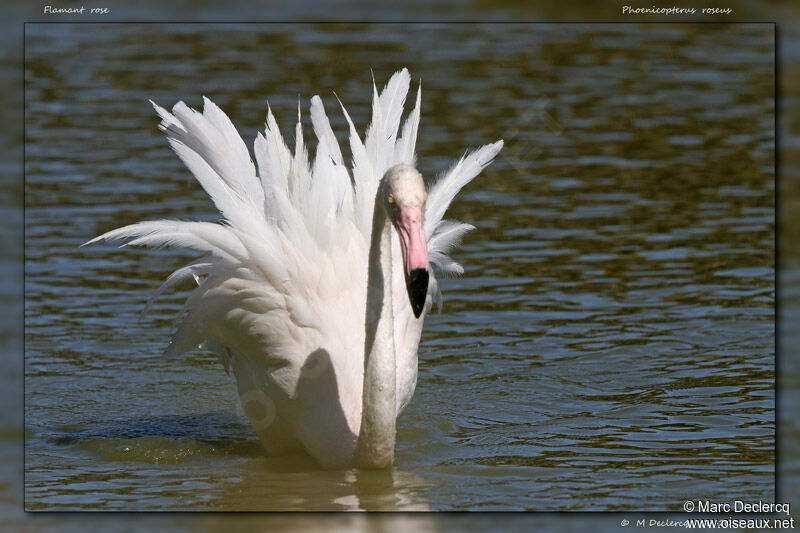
610	346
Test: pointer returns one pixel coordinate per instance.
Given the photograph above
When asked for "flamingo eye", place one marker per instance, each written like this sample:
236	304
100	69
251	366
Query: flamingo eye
391	198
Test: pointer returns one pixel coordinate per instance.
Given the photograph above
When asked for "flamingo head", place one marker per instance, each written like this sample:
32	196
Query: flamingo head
404	197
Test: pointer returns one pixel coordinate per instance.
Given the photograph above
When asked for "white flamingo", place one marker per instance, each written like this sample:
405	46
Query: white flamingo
304	289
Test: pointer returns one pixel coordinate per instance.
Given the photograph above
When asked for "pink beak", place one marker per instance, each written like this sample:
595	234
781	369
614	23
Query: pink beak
410	225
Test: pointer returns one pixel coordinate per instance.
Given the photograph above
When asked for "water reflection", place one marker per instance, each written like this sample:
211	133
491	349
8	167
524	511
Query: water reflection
297	484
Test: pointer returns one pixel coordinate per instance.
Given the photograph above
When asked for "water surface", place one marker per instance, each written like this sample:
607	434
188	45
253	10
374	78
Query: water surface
610	346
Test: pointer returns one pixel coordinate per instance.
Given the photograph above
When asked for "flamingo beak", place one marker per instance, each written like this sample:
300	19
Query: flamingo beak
410	225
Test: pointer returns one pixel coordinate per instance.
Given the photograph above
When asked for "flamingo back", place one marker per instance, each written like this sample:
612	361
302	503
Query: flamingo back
282	279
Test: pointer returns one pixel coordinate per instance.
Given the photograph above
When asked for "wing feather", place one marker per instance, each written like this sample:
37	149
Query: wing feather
293	241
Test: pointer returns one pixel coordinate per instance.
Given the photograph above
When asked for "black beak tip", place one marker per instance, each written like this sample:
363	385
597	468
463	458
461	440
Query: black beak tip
417	285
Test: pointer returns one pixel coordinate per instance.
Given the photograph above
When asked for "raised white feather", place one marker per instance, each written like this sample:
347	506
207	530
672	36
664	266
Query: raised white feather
284	273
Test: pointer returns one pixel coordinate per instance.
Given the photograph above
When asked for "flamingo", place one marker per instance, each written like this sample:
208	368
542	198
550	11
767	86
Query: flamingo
315	284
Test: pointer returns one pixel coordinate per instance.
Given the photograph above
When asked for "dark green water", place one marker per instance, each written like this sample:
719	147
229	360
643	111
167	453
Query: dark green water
610	346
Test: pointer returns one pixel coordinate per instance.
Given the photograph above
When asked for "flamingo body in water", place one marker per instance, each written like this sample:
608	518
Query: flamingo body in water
314	286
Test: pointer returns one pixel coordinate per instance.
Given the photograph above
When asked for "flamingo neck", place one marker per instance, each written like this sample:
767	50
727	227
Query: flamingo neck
376	438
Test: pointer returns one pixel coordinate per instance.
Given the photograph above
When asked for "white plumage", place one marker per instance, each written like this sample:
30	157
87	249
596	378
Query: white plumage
282	288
